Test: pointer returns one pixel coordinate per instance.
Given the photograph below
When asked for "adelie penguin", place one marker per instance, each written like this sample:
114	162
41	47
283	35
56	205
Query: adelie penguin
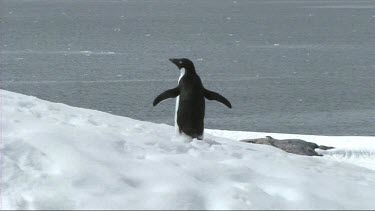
190	103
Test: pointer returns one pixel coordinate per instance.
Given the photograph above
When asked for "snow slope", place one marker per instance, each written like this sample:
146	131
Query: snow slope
351	149
59	157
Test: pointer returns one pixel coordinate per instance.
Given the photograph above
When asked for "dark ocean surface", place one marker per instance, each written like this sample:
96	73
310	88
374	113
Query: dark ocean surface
288	66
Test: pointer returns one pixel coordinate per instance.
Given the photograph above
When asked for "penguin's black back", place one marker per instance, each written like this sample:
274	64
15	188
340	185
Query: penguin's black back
190	113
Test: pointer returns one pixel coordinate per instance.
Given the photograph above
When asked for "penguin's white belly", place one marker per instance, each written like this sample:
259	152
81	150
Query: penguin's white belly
175	116
177	104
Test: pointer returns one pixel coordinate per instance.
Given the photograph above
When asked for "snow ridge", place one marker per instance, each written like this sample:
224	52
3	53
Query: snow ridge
60	157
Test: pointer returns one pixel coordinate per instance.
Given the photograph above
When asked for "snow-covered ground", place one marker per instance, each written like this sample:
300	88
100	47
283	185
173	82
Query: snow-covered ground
59	157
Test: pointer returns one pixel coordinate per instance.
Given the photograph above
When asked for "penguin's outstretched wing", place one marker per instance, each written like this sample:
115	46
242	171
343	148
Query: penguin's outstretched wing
170	93
210	95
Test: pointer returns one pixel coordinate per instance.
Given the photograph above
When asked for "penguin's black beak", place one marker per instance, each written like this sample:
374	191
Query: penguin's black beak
173	60
176	62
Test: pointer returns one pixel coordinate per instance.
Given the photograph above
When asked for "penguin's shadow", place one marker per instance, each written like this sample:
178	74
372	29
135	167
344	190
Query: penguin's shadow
211	142
204	142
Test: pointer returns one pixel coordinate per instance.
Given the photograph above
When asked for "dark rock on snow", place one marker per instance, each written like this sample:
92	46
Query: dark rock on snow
295	146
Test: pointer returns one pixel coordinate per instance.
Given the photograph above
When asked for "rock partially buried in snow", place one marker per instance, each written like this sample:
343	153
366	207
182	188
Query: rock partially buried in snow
295	146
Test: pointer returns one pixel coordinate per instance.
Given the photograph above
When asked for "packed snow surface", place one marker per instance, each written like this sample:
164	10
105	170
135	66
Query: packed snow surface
59	157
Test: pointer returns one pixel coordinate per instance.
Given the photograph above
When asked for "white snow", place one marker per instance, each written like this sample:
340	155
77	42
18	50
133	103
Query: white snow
59	157
357	150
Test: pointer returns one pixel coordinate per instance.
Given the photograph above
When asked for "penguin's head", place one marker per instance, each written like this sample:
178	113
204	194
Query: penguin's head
183	63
